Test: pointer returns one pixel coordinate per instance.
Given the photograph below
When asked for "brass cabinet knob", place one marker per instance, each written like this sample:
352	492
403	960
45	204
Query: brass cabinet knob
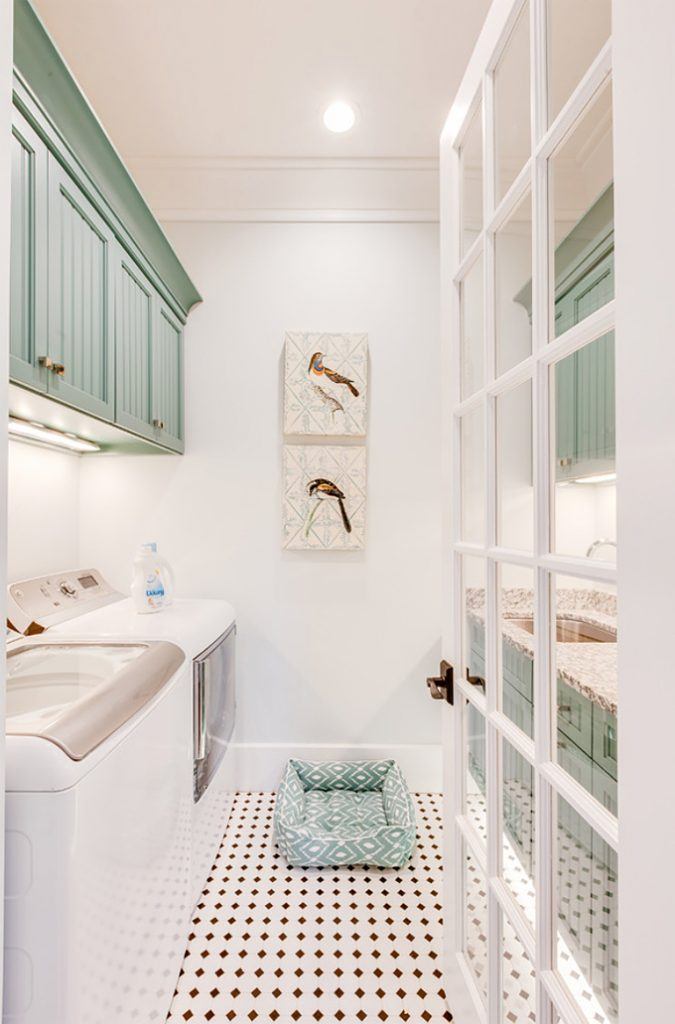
58	368
46	362
159	424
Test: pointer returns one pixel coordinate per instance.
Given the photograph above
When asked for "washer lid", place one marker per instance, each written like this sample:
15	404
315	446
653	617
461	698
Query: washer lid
77	694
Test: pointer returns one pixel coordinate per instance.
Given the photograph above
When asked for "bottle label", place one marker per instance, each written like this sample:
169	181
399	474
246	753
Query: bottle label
154	589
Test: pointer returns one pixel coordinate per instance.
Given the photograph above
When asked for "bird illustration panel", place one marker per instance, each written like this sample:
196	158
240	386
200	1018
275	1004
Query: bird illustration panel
325	383
324	497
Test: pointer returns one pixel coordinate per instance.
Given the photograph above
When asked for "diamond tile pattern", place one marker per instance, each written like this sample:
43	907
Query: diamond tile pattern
306	945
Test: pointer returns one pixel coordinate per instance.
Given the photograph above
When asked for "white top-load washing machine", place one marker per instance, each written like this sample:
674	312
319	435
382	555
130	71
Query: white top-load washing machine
118	791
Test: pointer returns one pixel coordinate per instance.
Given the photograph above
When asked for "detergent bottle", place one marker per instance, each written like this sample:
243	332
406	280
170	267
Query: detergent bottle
152	581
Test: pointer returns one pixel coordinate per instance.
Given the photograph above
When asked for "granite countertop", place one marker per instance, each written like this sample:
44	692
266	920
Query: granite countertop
589	668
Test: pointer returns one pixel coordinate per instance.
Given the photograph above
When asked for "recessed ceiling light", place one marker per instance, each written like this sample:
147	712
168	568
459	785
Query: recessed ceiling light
339	116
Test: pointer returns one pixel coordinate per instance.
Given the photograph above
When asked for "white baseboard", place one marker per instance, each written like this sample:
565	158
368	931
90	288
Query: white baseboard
258	766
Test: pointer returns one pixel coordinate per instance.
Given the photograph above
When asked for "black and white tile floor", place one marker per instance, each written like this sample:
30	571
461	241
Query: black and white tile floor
280	944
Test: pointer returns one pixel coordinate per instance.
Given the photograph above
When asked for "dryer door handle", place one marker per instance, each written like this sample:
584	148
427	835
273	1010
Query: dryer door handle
200	717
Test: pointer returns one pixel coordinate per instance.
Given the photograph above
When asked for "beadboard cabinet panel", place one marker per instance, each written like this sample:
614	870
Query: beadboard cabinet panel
81	279
28	264
134	322
167	377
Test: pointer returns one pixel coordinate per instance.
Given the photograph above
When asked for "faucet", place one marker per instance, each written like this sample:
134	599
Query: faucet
600	543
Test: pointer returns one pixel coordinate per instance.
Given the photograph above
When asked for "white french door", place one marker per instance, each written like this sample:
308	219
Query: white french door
531	750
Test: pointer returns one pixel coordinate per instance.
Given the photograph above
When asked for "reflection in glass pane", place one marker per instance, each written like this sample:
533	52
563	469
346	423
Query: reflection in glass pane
471	164
472	455
581	175
513	287
515	487
516	594
577	31
587	904
474	723
518	835
471	340
584	449
475	922
512	105
473	590
518	979
587	685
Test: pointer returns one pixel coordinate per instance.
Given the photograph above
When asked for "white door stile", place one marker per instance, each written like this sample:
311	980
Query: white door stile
549	778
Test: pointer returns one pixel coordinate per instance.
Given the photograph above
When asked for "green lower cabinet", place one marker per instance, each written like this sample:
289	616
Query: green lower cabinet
575	717
517	708
605	751
517	669
28	247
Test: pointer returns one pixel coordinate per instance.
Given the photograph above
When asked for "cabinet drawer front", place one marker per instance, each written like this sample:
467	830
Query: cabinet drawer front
575	717
605	741
133	348
80	298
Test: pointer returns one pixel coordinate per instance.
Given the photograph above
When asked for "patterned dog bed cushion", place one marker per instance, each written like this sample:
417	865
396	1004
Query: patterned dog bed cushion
344	812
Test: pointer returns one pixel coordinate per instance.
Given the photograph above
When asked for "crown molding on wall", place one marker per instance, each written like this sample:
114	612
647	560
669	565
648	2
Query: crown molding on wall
284	190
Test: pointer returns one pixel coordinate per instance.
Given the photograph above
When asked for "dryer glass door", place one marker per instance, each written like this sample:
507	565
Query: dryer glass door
214	708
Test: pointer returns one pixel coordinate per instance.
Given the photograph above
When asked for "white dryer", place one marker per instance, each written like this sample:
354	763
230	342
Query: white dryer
110	831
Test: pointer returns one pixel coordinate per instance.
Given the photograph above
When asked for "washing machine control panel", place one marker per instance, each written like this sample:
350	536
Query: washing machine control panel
38	603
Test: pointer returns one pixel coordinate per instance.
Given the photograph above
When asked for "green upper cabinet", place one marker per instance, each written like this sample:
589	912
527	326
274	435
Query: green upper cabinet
99	298
80	299
167	377
133	347
28	265
149	352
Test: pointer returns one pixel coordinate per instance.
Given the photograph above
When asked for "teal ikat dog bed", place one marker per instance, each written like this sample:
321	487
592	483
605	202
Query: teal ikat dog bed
344	812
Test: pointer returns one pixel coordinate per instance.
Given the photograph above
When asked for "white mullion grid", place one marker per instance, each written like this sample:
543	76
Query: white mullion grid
550	779
541	306
594	326
472	693
514	912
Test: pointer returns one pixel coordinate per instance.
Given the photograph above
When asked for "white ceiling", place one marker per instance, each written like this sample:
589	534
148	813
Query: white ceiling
249	78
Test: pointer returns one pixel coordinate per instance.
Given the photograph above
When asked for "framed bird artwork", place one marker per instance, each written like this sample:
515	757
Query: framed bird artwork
324	497
325	384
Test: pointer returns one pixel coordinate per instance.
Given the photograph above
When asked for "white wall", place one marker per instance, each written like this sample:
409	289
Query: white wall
43	511
334	647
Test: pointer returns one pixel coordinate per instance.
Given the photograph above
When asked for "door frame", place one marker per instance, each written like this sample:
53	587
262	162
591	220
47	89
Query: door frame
550	779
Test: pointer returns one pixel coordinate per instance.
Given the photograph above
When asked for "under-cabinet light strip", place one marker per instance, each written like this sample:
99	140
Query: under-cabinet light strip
27	430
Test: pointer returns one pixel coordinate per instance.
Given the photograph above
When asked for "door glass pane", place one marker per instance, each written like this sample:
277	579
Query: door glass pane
475	922
471	344
513	287
518	832
587	912
577	31
473	599
474	764
472	455
512	105
583	428
585	662
581	175
471	172
515	487
518	979
516	596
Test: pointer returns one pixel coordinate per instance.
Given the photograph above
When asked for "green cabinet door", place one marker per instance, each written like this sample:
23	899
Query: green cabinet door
605	751
167	379
81	265
28	256
575	718
134	324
